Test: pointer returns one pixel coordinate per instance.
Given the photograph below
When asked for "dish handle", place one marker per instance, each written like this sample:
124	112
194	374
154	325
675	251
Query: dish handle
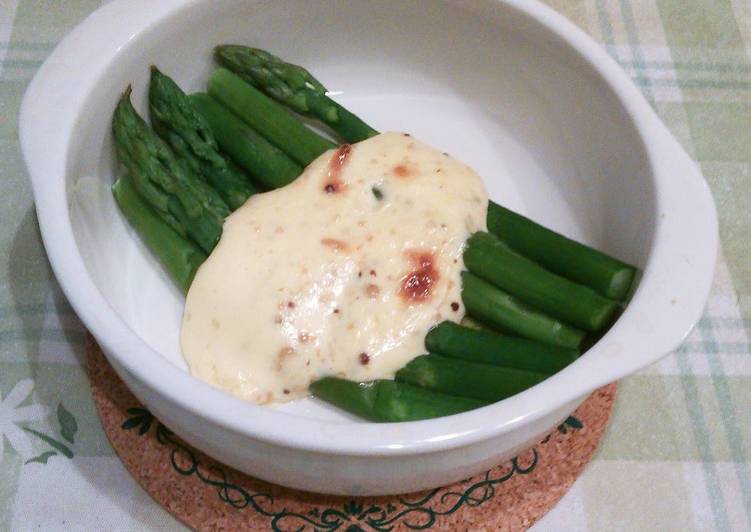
674	289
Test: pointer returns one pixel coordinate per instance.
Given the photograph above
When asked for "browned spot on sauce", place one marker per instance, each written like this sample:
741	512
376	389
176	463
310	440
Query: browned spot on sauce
455	306
373	273
406	134
372	291
364	359
401	170
418	284
336	311
278	319
333	182
286	391
290	304
335	244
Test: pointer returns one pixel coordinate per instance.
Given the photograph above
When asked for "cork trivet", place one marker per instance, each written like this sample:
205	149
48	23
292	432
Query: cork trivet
207	495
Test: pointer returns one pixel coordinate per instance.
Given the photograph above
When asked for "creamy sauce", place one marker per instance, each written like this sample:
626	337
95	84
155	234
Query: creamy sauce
342	272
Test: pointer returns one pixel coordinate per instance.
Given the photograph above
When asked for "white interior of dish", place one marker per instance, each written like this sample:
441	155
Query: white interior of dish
539	125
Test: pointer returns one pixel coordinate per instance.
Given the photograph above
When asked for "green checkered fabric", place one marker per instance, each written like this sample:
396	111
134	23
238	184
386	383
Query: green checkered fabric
677	455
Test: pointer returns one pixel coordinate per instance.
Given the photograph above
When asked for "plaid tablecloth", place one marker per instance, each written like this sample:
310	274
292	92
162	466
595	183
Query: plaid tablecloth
677	455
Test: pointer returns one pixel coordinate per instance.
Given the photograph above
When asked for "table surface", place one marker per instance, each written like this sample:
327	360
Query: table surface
677	455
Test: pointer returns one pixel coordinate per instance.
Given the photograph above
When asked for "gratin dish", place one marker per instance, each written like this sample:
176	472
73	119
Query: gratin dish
555	128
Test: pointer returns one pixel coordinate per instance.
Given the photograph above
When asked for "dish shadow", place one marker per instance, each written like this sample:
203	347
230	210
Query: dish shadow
36	295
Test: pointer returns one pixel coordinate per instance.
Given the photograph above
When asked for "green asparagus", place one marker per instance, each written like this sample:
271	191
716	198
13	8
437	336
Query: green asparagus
577	262
491	259
294	87
267	117
454	341
187	132
389	401
180	197
179	256
467	379
491	305
264	161
168	198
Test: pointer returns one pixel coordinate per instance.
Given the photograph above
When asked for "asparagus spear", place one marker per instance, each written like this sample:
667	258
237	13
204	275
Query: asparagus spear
294	87
467	379
267	163
578	262
267	117
180	197
491	305
486	347
489	258
179	256
385	401
187	132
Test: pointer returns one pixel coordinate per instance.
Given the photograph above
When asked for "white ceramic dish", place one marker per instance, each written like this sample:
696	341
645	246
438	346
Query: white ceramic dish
552	124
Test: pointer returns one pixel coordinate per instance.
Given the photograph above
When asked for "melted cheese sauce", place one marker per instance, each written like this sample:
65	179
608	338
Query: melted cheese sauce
342	272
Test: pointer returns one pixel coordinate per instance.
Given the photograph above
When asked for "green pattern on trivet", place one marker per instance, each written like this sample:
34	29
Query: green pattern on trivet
417	514
413	513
